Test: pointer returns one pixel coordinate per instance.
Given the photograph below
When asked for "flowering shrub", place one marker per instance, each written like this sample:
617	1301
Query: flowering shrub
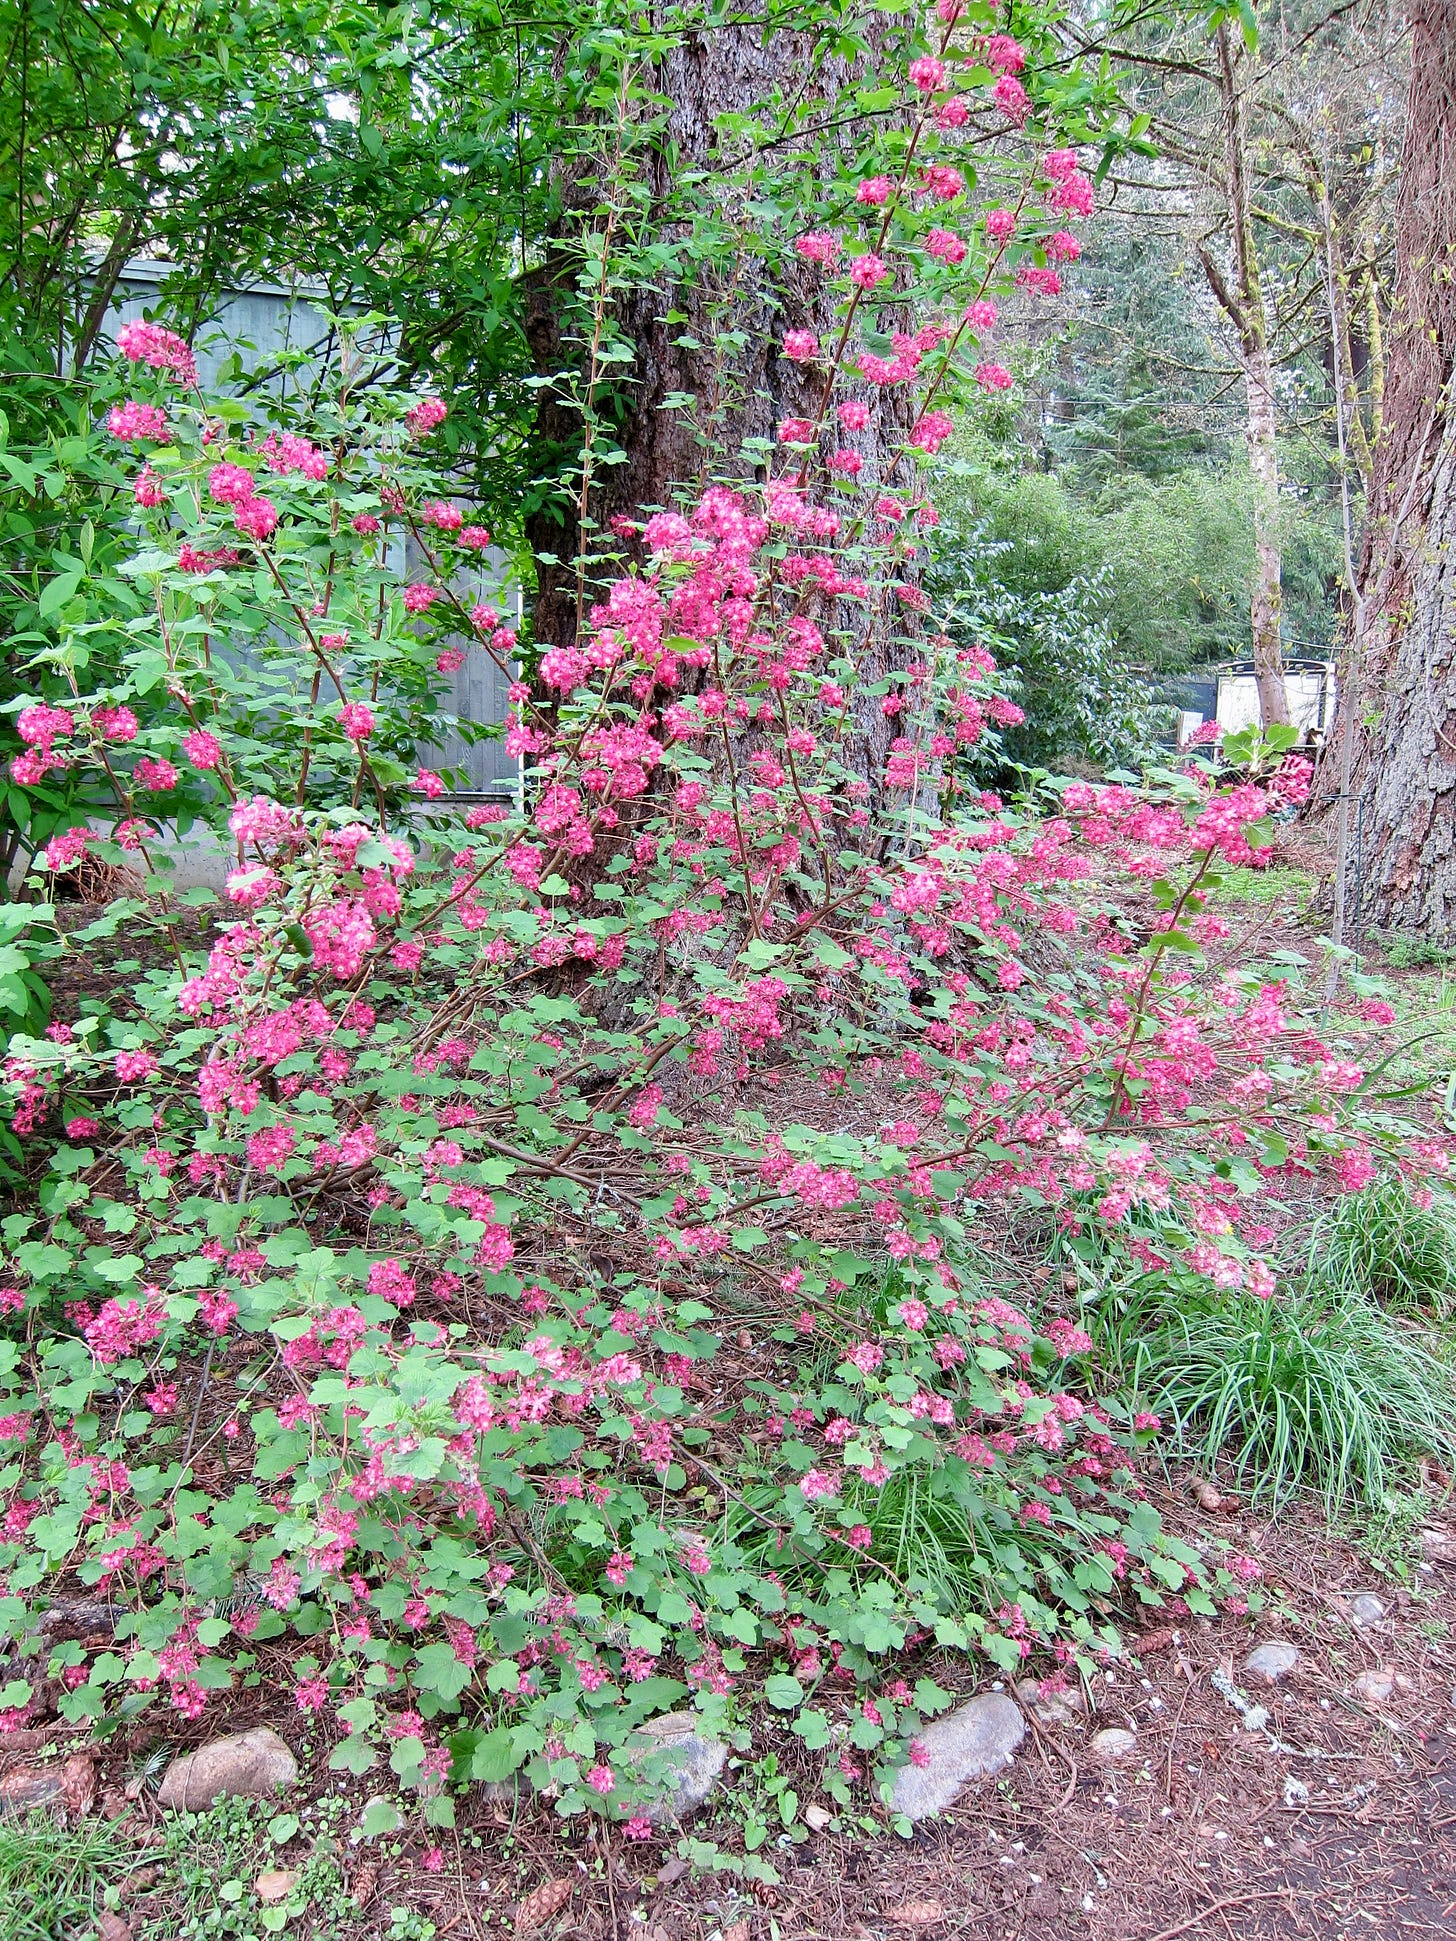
388	1238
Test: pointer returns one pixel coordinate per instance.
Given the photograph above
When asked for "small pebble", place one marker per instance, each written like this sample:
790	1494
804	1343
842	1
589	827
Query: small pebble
1272	1661
1112	1745
1375	1687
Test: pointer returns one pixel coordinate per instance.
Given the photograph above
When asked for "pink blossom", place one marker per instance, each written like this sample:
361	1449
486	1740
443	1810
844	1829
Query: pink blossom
152	772
800	345
65	851
40	725
202	749
230	484
1353	1168
390	1282
818	246
876	190
256	518
931	431
1003	54
356	720
942	181
124	1324
1044	281
113	724
135	421
868	270
927	75
162	349
425	416
1012	99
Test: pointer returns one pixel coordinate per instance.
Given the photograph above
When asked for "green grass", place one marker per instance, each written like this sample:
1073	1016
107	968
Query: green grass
1296	889
1380	1243
1414	953
52	1878
1318	1391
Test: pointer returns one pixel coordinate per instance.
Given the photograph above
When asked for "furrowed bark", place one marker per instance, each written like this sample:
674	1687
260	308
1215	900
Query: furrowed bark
1405	758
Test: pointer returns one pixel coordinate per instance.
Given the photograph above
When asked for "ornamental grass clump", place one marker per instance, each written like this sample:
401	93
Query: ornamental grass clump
1316	1391
374	1302
1395	1243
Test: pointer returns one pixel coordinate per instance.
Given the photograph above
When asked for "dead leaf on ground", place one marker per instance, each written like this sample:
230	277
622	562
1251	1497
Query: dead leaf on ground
541	1903
275	1885
111	1927
671	1870
738	1932
916	1914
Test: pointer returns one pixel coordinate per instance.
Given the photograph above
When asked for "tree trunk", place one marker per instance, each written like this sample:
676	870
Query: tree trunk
713	337
1244	305
1406	668
1266	599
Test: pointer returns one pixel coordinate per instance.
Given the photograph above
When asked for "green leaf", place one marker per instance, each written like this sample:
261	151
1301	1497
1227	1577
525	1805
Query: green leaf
783	1692
496	1757
353	1755
380	1816
813	1728
58	593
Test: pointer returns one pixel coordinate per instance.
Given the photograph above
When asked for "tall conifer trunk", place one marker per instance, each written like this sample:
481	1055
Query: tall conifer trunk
1404	671
707	372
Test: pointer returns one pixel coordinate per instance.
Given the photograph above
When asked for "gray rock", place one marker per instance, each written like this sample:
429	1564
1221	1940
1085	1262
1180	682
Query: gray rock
246	1765
975	1741
1366	1610
1272	1661
1375	1687
1114	1745
696	1762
